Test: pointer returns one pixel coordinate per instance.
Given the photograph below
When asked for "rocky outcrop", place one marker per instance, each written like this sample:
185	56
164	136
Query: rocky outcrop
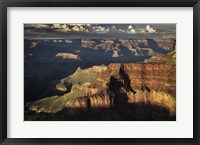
119	47
77	103
131	45
68	41
129	87
167	43
124	84
115	53
67	55
107	45
169	59
116	86
34	44
87	43
154	76
138	46
61	87
154	98
99	101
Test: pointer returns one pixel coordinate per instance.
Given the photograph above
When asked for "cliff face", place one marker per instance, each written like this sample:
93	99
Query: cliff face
150	76
116	86
119	86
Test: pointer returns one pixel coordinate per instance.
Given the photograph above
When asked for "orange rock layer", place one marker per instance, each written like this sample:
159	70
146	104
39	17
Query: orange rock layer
150	83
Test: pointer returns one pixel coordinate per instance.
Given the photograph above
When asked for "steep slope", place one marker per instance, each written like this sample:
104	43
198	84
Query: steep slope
116	86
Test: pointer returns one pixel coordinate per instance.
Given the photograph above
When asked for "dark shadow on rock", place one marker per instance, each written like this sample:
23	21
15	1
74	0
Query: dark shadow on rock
119	96
120	109
119	86
124	76
128	112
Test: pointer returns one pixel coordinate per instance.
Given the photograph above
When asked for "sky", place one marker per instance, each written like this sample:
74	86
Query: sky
98	31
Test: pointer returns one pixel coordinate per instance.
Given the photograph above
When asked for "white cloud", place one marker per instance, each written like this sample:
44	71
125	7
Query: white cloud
56	26
131	29
61	27
114	27
149	29
121	30
76	28
70	27
100	29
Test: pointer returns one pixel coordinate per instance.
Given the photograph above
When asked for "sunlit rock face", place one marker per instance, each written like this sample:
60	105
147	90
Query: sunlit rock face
61	88
80	103
115	86
152	76
67	55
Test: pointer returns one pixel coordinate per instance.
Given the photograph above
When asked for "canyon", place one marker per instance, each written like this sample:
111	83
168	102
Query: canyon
117	91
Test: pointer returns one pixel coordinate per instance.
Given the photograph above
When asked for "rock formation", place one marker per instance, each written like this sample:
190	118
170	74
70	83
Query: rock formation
116	86
122	88
136	46
67	55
